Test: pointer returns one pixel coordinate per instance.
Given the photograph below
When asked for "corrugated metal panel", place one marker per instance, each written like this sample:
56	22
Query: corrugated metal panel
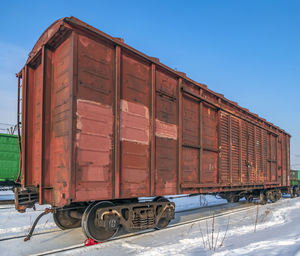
225	148
265	155
235	149
251	153
245	168
259	155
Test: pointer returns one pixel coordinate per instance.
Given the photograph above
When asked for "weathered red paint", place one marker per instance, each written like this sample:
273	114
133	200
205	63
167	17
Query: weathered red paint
102	121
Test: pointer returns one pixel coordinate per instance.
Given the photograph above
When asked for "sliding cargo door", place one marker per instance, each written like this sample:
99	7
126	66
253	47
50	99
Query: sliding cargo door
190	140
199	143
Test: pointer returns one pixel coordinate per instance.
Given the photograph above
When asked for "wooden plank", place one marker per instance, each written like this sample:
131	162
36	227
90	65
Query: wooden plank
179	139
255	158
287	181
200	137
116	165
230	151
73	92
276	145
24	124
240	151
152	130
247	152
42	127
219	145
262	152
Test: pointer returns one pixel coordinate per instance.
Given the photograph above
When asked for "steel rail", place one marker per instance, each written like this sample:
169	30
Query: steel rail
146	232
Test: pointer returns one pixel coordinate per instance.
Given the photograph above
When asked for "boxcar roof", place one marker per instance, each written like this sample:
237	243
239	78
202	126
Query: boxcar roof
57	32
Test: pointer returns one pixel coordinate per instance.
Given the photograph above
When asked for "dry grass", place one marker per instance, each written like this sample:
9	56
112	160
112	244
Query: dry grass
261	219
256	217
212	240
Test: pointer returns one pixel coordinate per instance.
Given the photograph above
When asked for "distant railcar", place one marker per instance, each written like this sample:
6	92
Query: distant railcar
104	124
9	159
295	182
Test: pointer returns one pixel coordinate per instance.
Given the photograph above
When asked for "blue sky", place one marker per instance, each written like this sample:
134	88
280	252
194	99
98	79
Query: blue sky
247	50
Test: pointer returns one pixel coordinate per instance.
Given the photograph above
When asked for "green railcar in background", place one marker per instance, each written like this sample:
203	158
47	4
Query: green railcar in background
295	177
295	182
9	159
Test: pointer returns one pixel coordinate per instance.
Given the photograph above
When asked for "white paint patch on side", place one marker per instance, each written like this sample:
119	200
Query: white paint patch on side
93	142
134	122
165	130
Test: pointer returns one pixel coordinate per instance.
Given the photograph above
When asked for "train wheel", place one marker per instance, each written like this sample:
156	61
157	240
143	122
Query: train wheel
262	198
90	229
232	198
64	221
278	195
163	222
249	198
271	195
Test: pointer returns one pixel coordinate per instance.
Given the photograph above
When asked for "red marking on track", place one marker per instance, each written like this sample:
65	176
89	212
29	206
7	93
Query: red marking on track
90	241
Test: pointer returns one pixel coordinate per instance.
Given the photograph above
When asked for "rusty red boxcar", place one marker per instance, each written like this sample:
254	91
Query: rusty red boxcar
102	121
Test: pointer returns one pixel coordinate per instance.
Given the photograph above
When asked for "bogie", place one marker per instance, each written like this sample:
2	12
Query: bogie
101	220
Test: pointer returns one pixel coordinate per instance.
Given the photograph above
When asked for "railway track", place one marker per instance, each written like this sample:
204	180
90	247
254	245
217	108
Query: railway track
58	229
215	214
23	236
5	202
73	239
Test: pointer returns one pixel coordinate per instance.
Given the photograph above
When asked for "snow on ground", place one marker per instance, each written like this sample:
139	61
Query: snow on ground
14	223
6	195
272	229
194	202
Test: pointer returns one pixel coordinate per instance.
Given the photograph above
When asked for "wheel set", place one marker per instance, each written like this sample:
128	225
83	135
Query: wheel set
89	226
102	220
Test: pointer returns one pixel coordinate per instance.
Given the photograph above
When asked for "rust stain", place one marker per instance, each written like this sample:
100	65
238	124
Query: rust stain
134	119
165	130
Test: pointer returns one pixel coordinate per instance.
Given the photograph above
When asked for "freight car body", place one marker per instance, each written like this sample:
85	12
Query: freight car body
103	122
9	159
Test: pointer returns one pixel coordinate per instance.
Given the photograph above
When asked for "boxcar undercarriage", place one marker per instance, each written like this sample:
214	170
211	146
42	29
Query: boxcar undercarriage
101	220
